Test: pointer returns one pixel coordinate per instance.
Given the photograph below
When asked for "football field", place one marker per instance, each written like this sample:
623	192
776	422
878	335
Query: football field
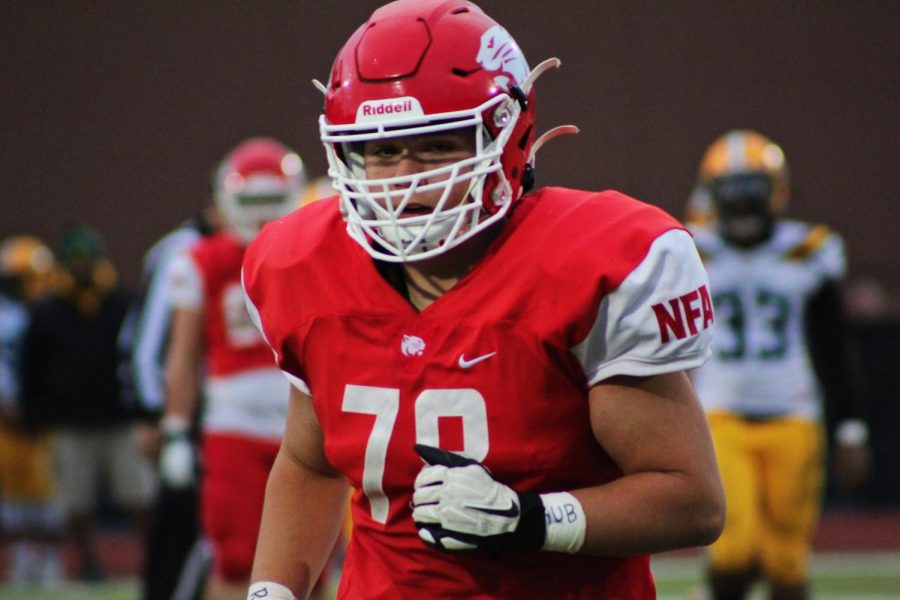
835	576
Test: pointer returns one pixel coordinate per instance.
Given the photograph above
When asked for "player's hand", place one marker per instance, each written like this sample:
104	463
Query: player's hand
852	466
851	455
149	441
458	505
177	457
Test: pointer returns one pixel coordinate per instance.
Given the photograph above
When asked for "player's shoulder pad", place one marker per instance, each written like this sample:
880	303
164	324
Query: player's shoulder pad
608	215
607	231
706	239
287	243
283	242
813	244
811	239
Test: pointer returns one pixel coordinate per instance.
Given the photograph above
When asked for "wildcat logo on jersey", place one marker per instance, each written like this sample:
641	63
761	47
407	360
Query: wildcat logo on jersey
499	52
685	315
412	345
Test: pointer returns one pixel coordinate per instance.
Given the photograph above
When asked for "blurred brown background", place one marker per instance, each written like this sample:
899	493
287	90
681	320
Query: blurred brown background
114	113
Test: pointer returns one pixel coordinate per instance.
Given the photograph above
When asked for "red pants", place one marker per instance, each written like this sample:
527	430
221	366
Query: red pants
235	470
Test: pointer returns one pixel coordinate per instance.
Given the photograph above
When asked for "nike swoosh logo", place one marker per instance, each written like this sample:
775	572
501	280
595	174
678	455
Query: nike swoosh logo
465	364
511	512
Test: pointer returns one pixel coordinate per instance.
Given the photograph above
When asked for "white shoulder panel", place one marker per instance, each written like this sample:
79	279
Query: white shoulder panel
658	320
184	282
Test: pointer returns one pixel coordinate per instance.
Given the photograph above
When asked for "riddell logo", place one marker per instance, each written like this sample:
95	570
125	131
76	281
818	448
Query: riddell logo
387	109
685	315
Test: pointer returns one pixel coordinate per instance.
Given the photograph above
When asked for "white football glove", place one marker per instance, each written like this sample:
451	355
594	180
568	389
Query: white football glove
177	457
458	505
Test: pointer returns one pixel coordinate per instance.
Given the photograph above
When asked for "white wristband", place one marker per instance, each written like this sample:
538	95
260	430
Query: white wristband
174	425
852	432
566	523
270	591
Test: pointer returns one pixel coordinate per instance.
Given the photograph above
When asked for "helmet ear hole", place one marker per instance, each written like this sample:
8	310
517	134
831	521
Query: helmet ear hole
523	141
527	178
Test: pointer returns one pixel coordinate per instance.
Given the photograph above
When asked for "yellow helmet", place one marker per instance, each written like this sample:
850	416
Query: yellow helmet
743	151
26	263
318	188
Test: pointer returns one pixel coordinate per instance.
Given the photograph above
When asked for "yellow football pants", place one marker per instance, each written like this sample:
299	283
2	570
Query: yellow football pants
26	466
773	472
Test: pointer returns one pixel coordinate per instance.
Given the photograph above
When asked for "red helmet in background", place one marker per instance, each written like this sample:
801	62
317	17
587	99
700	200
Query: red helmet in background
417	67
259	181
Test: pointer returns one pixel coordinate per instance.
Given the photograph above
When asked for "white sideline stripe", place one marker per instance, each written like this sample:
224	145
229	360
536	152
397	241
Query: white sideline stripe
862	562
759	594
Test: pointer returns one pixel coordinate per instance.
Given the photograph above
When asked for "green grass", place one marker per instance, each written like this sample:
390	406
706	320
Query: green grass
120	589
844	576
835	576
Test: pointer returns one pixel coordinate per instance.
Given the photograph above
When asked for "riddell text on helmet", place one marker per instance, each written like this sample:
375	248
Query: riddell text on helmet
383	109
393	107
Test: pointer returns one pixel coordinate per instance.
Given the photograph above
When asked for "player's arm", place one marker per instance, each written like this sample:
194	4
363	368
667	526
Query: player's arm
304	507
670	494
182	369
177	462
186	292
651	424
839	373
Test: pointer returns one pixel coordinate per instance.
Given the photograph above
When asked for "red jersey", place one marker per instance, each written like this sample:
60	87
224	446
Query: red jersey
245	393
498	368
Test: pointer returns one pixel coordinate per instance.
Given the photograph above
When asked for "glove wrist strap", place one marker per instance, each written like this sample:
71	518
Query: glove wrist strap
566	524
531	530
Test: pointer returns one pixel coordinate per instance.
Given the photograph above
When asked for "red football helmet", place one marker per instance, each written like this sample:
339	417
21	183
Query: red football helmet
420	66
259	181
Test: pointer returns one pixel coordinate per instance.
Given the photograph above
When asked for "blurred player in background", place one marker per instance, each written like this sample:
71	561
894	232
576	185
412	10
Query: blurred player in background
246	396
170	566
490	370
29	521
778	350
70	386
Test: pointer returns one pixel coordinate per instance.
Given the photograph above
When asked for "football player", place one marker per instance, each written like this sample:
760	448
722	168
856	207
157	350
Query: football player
497	373
28	519
778	345
176	557
245	395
